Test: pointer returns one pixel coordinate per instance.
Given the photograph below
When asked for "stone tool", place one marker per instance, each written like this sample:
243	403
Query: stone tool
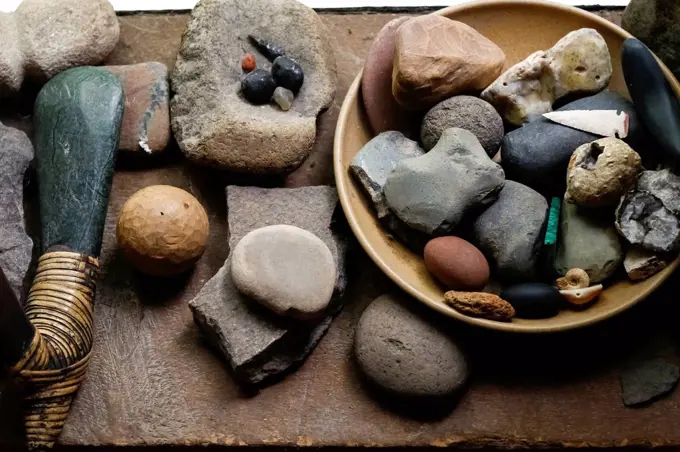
47	347
606	123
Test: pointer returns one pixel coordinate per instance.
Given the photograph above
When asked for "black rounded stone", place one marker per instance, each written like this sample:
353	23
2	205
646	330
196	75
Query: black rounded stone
258	87
288	73
533	300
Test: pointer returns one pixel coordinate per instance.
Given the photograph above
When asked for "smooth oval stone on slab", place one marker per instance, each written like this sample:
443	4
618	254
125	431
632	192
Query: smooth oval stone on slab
289	270
403	353
434	192
510	232
383	111
456	263
588	240
44	37
537	154
436	58
465	112
654	99
213	123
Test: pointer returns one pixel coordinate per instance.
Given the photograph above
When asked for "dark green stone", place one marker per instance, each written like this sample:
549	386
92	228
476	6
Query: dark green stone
76	124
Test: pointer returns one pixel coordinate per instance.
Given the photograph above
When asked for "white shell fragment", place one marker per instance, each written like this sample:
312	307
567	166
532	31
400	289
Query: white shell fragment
579	297
606	123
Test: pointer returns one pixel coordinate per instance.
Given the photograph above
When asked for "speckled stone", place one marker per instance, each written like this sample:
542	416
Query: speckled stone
403	353
213	124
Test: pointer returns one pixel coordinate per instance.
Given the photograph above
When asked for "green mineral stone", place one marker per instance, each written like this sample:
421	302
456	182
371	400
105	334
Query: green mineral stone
76	125
553	222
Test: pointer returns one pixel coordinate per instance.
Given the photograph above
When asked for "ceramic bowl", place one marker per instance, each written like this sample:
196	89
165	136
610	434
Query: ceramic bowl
519	27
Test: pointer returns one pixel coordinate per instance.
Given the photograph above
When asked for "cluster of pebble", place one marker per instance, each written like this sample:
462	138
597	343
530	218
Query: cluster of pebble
281	83
551	209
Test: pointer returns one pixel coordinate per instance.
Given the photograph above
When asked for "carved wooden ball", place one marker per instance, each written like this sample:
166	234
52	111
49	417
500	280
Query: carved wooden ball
162	230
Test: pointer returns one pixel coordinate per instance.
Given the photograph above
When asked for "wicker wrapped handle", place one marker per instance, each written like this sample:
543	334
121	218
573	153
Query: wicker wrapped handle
60	306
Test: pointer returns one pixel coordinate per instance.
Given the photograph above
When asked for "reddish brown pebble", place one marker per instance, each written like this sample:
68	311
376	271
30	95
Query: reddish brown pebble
248	63
146	118
456	263
162	230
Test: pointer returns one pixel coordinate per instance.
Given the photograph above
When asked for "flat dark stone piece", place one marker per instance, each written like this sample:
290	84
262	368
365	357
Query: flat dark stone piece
645	381
654	99
258	344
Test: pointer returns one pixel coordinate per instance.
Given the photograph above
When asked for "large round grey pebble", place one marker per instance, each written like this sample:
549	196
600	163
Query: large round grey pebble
287	269
466	112
402	353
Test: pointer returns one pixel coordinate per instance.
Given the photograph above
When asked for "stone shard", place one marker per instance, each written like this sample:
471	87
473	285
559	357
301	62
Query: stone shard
433	193
587	240
16	153
579	64
212	121
436	58
641	264
258	344
376	160
44	37
645	381
146	119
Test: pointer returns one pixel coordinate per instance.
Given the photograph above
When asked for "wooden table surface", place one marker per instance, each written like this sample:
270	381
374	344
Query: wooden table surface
153	382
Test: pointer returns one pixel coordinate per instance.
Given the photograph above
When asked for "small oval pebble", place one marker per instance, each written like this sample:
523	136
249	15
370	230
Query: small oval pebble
248	63
283	97
285	268
456	263
258	87
404	353
288	73
533	300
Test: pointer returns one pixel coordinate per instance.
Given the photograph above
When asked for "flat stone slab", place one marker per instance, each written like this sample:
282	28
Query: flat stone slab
257	343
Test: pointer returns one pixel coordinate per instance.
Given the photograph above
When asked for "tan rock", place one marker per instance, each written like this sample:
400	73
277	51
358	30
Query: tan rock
480	304
600	172
641	264
436	58
579	64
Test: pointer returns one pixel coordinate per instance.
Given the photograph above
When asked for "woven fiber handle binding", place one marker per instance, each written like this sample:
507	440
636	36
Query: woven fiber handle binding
60	306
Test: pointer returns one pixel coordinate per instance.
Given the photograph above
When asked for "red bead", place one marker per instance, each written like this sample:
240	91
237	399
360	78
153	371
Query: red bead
248	63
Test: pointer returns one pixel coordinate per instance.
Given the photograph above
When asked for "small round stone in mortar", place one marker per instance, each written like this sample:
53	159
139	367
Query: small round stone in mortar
288	73
283	97
162	230
258	87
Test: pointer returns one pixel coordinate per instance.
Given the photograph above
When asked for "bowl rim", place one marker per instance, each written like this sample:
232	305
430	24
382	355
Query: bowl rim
344	196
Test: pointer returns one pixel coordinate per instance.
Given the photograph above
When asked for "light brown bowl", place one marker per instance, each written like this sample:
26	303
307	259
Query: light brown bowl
519	27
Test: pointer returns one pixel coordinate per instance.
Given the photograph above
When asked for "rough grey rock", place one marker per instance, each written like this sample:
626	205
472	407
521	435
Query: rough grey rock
664	185
588	240
643	220
537	154
44	37
377	159
211	120
406	354
434	192
656	22
258	344
287	269
510	232
645	381
16	153
466	112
